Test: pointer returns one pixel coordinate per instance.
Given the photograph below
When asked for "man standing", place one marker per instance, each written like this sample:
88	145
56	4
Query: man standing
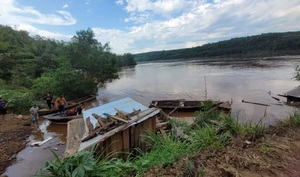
34	114
61	103
3	105
49	99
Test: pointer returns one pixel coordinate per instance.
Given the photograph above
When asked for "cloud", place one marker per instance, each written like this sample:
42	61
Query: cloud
14	14
120	2
65	6
168	24
189	23
35	31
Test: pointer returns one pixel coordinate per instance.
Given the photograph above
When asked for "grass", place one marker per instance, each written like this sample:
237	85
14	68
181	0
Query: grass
167	149
292	121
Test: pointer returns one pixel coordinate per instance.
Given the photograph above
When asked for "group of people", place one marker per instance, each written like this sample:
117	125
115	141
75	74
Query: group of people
59	102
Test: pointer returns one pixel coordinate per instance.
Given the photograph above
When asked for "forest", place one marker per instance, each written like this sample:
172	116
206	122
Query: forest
31	66
269	44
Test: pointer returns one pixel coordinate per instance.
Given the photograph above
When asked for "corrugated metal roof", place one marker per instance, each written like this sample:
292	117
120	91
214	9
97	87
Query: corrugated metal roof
126	104
294	92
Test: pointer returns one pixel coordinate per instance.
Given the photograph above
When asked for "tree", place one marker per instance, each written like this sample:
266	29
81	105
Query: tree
93	59
127	60
297	73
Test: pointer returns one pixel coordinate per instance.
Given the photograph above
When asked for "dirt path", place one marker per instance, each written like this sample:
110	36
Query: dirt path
276	154
13	136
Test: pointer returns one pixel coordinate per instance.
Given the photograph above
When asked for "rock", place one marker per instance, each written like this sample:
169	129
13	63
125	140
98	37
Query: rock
13	157
62	143
248	142
19	116
55	149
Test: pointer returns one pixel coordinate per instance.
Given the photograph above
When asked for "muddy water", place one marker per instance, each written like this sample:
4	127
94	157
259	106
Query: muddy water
31	159
226	79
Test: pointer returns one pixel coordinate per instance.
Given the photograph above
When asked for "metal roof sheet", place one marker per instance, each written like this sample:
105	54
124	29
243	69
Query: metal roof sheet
295	92
126	104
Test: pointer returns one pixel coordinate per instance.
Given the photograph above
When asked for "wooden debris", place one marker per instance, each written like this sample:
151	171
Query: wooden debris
134	113
180	104
39	143
89	125
106	125
262	104
122	114
118	118
225	105
100	120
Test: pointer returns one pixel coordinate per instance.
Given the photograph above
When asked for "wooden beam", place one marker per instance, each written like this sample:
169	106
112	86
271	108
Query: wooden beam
100	120
262	104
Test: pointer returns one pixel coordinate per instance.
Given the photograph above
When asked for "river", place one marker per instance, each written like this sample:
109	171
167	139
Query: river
222	79
217	79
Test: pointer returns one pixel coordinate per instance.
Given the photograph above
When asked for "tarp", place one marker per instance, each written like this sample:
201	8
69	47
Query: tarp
126	104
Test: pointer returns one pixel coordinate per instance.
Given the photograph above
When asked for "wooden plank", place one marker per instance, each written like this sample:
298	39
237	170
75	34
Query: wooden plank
120	144
89	125
132	138
126	140
119	119
100	120
262	104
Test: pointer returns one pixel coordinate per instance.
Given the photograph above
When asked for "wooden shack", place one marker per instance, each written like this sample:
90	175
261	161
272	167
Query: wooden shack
121	139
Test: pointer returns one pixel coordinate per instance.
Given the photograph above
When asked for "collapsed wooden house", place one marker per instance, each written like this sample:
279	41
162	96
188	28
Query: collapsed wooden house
115	127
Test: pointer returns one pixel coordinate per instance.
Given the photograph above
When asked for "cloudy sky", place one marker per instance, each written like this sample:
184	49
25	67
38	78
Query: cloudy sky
147	25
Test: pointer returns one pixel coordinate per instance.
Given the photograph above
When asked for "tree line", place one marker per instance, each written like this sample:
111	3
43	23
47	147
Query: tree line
33	66
269	44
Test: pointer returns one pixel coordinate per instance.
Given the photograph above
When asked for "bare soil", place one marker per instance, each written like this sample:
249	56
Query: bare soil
275	154
13	136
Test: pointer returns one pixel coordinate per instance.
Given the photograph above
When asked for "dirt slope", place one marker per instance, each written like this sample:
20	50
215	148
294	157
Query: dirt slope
276	154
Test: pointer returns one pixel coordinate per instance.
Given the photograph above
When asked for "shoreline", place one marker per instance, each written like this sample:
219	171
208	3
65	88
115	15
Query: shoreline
276	153
14	137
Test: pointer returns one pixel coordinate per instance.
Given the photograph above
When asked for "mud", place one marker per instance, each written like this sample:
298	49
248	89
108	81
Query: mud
13	136
275	154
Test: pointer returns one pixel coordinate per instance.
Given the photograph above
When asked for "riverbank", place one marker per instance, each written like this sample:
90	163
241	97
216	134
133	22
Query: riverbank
13	138
217	145
276	153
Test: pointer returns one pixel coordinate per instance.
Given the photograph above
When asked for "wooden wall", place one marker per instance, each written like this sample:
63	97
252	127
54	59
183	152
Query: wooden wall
124	142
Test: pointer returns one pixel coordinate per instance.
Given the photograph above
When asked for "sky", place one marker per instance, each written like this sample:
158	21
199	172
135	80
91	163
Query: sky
136	26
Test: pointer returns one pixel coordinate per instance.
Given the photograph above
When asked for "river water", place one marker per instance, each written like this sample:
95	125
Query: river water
222	79
217	79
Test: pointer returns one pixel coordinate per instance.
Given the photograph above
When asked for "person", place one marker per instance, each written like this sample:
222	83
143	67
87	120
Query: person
3	106
61	103
79	109
34	114
49	100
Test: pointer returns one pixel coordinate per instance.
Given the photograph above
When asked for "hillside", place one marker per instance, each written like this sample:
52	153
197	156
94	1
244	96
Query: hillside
270	44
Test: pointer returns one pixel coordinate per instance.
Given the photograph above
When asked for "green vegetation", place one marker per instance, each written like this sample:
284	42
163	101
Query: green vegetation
32	66
292	121
166	149
297	73
270	44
